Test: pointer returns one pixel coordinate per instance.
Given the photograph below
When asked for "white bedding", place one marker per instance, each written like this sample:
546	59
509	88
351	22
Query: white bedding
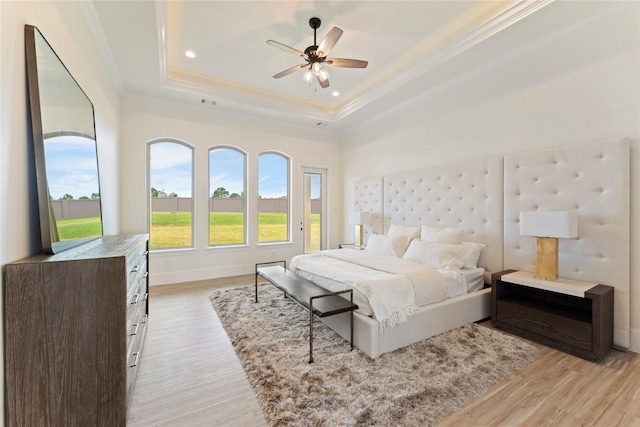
386	287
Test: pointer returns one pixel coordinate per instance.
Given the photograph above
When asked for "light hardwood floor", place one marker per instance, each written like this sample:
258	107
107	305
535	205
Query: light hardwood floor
190	376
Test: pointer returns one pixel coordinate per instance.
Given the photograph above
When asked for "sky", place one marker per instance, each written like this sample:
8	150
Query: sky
171	166
72	167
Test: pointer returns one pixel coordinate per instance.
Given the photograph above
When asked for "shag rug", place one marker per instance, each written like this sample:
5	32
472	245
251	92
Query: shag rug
413	386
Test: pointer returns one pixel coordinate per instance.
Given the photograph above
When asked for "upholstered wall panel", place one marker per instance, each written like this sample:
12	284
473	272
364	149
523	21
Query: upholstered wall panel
368	197
593	180
465	195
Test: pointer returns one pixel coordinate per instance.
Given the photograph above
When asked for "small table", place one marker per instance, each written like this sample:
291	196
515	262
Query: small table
569	315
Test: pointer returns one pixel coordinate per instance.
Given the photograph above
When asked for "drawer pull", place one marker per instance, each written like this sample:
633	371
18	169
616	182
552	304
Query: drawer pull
146	274
544	325
135	269
145	296
144	318
135	361
145	253
136	297
135	329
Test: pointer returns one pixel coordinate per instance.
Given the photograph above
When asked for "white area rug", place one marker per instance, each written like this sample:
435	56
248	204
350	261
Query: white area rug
413	386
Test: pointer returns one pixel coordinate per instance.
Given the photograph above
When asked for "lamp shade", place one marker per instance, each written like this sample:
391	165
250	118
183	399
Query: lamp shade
549	224
357	218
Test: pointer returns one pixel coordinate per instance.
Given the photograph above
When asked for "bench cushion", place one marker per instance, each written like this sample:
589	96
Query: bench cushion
301	290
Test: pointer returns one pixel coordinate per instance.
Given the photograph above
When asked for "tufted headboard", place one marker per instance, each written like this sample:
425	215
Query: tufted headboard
593	180
485	198
368	198
466	195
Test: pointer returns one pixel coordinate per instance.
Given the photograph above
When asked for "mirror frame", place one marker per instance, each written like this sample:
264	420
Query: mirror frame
51	243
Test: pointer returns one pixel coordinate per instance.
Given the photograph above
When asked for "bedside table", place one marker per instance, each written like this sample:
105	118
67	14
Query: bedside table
350	246
569	315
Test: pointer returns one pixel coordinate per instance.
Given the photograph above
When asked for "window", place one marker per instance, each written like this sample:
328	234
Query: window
227	205
273	198
171	184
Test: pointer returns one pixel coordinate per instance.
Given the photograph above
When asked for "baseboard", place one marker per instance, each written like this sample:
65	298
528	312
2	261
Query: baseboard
634	341
166	278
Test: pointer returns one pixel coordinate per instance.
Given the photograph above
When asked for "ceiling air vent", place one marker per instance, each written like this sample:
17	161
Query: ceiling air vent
204	101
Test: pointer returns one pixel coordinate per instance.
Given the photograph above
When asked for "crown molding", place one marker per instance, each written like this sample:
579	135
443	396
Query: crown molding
255	100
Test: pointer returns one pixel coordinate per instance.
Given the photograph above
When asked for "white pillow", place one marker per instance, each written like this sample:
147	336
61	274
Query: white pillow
474	256
441	235
387	245
440	256
403	230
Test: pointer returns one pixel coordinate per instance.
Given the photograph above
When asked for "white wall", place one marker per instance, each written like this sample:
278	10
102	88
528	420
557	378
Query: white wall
581	86
204	127
65	28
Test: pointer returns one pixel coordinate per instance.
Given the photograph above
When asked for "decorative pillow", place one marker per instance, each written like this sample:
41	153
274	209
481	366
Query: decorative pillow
474	256
441	235
403	230
387	245
441	256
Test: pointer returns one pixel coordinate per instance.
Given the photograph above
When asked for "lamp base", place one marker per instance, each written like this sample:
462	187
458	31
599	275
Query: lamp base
547	257
359	236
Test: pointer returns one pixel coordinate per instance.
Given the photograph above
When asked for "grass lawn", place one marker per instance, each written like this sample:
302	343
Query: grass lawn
173	229
79	228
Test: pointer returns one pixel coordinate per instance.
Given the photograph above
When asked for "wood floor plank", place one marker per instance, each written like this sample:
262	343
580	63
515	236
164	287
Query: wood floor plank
190	376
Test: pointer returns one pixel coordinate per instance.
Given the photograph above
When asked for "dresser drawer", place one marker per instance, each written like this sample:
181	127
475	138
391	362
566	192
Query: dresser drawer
135	331
563	329
136	266
137	271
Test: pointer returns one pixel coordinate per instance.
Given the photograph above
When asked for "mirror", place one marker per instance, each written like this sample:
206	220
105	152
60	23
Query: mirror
64	141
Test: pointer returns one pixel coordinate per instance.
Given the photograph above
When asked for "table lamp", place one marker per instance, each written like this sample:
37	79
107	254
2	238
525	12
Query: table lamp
358	219
547	227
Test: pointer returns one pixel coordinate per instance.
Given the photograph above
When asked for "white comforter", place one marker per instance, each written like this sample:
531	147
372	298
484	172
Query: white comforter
392	287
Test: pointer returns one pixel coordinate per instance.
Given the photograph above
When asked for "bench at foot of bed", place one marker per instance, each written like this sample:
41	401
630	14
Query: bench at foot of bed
316	299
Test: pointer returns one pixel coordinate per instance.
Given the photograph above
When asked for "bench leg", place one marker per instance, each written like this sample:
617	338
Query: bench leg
311	330
256	287
351	319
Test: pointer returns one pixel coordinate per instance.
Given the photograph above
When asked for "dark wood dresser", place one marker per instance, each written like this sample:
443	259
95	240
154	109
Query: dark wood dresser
74	328
569	315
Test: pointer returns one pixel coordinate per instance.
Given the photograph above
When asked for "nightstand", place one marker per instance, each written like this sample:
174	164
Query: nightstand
569	315
350	246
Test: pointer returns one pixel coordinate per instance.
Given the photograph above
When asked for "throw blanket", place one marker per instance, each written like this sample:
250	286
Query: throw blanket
392	286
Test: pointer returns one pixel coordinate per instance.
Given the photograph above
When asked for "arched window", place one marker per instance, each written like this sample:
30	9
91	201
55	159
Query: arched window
170	190
273	198
227	201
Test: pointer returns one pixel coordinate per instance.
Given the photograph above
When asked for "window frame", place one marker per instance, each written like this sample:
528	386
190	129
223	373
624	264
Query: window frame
289	238
193	192
246	196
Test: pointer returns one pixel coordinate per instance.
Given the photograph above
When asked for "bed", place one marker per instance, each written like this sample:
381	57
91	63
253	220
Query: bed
484	198
465	197
391	290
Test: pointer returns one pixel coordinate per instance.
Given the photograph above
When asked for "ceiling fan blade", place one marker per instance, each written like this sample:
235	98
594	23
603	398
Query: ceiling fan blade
324	83
288	49
290	71
329	41
346	63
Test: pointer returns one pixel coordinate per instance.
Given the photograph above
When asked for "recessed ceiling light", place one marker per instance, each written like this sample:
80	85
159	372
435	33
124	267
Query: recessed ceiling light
335	93
190	54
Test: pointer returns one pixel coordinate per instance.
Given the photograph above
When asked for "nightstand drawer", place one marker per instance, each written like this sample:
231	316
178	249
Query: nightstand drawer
560	328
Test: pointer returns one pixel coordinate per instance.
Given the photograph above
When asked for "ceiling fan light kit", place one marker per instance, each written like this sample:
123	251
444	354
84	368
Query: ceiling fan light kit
316	55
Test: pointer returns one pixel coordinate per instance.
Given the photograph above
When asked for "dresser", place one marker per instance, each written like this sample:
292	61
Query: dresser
569	315
75	324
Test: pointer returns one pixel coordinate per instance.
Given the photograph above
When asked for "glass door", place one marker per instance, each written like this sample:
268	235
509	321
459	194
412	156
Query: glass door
314	210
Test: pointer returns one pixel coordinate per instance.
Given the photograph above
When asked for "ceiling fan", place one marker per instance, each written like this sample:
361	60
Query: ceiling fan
316	56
